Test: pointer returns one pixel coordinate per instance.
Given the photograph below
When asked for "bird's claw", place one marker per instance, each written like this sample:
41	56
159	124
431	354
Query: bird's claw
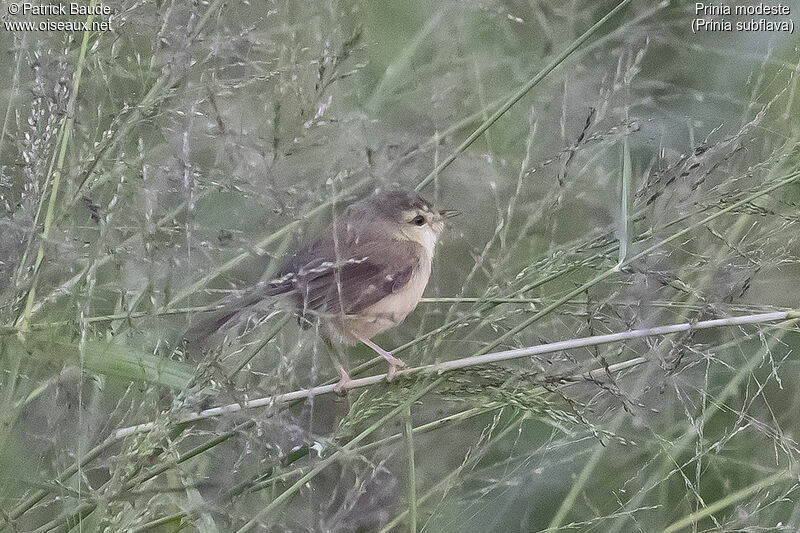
344	383
394	364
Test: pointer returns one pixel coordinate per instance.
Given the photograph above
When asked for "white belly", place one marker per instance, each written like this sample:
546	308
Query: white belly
390	311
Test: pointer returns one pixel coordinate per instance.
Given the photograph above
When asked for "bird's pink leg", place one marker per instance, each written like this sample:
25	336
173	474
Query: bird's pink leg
344	381
394	362
334	351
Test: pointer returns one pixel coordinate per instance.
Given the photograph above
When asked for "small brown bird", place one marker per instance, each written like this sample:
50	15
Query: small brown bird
367	273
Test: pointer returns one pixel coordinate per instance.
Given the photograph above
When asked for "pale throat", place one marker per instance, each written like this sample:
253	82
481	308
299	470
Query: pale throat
428	240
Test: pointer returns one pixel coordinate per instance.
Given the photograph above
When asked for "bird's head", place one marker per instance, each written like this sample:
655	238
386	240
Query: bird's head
400	214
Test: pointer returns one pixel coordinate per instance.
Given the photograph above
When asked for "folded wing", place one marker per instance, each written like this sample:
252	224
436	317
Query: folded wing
359	277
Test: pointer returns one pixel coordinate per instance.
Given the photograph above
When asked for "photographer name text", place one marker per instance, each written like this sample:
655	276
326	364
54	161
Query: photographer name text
72	9
28	16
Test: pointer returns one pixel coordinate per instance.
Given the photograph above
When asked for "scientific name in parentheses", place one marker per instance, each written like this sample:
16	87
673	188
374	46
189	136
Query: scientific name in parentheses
73	9
742	25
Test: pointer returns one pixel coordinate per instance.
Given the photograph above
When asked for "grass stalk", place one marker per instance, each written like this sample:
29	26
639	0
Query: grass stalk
460	416
625	200
445	482
260	484
322	465
163	521
599	450
261	345
265	241
731	388
496	357
777	184
525	89
28	503
68	285
408	433
157	93
67	521
732	498
55	178
402	61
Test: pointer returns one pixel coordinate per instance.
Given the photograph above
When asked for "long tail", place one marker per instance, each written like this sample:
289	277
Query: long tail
232	307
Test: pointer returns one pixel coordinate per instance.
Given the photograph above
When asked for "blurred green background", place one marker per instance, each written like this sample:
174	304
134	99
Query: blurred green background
150	171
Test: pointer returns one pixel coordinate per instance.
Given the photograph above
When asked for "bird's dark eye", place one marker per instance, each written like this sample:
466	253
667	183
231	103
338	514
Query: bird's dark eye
418	220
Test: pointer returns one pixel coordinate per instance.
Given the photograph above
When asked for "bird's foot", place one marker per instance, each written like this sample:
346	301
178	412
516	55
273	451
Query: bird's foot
344	382
394	364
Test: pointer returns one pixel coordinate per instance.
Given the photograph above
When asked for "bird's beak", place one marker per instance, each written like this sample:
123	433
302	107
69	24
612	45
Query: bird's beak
449	213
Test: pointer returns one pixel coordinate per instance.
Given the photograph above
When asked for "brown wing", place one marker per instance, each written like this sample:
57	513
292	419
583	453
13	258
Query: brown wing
363	275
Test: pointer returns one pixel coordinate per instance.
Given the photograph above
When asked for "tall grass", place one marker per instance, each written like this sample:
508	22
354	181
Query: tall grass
609	337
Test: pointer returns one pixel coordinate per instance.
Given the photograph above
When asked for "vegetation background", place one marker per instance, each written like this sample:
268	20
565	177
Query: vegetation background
649	178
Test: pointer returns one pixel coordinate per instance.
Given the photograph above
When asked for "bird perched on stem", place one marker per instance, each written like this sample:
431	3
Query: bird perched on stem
366	274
